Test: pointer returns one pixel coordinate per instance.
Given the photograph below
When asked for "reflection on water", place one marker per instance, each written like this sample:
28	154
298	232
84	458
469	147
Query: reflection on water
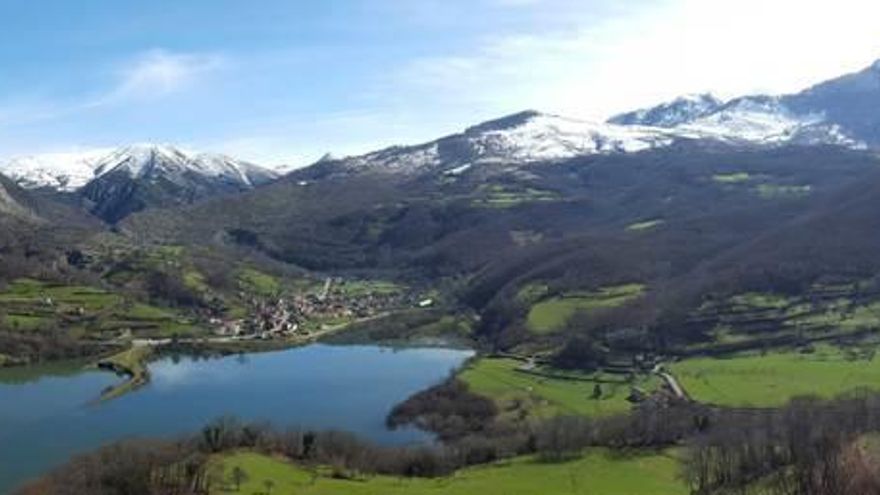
44	420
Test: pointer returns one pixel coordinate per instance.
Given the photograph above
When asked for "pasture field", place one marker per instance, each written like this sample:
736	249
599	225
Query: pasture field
499	196
551	315
645	225
597	472
776	191
537	396
752	379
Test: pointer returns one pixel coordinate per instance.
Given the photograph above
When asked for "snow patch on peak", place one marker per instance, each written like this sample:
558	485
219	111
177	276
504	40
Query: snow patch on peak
224	166
518	139
762	119
682	110
551	137
142	161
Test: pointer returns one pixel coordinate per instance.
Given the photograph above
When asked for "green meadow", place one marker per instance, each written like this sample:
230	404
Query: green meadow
753	379
732	178
551	315
596	472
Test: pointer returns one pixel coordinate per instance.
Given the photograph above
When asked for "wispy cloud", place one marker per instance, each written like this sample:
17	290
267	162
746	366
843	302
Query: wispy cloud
146	77
160	73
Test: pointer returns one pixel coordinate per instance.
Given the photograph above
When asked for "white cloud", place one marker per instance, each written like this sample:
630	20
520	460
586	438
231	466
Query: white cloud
653	52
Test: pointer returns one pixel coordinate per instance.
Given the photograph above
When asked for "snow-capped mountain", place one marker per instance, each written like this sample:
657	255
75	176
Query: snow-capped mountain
767	120
71	171
522	138
133	178
842	111
757	120
531	137
153	161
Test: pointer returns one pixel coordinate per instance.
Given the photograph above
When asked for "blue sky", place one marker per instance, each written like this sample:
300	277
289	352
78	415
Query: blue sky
283	81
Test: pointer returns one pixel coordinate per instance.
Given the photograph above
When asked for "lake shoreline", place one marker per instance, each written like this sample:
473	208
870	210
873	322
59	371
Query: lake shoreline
51	417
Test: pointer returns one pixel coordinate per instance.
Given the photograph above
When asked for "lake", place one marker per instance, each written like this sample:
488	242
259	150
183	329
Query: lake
47	413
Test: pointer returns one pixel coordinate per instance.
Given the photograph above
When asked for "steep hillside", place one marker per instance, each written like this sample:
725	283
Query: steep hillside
9	204
692	197
36	230
850	101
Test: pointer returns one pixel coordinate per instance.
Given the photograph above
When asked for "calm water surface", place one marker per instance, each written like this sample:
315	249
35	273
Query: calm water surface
46	415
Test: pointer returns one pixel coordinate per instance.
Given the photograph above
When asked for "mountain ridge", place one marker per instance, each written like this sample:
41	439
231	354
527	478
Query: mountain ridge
530	136
836	112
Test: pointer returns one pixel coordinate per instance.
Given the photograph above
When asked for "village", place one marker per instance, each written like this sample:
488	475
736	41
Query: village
306	313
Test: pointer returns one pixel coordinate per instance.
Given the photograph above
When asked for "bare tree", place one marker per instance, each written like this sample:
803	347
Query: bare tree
239	476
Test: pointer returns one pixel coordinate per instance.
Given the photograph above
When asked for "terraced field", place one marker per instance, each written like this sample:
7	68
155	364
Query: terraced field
87	312
823	312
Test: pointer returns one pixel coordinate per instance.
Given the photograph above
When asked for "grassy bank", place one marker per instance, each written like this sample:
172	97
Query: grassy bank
597	472
133	363
542	396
